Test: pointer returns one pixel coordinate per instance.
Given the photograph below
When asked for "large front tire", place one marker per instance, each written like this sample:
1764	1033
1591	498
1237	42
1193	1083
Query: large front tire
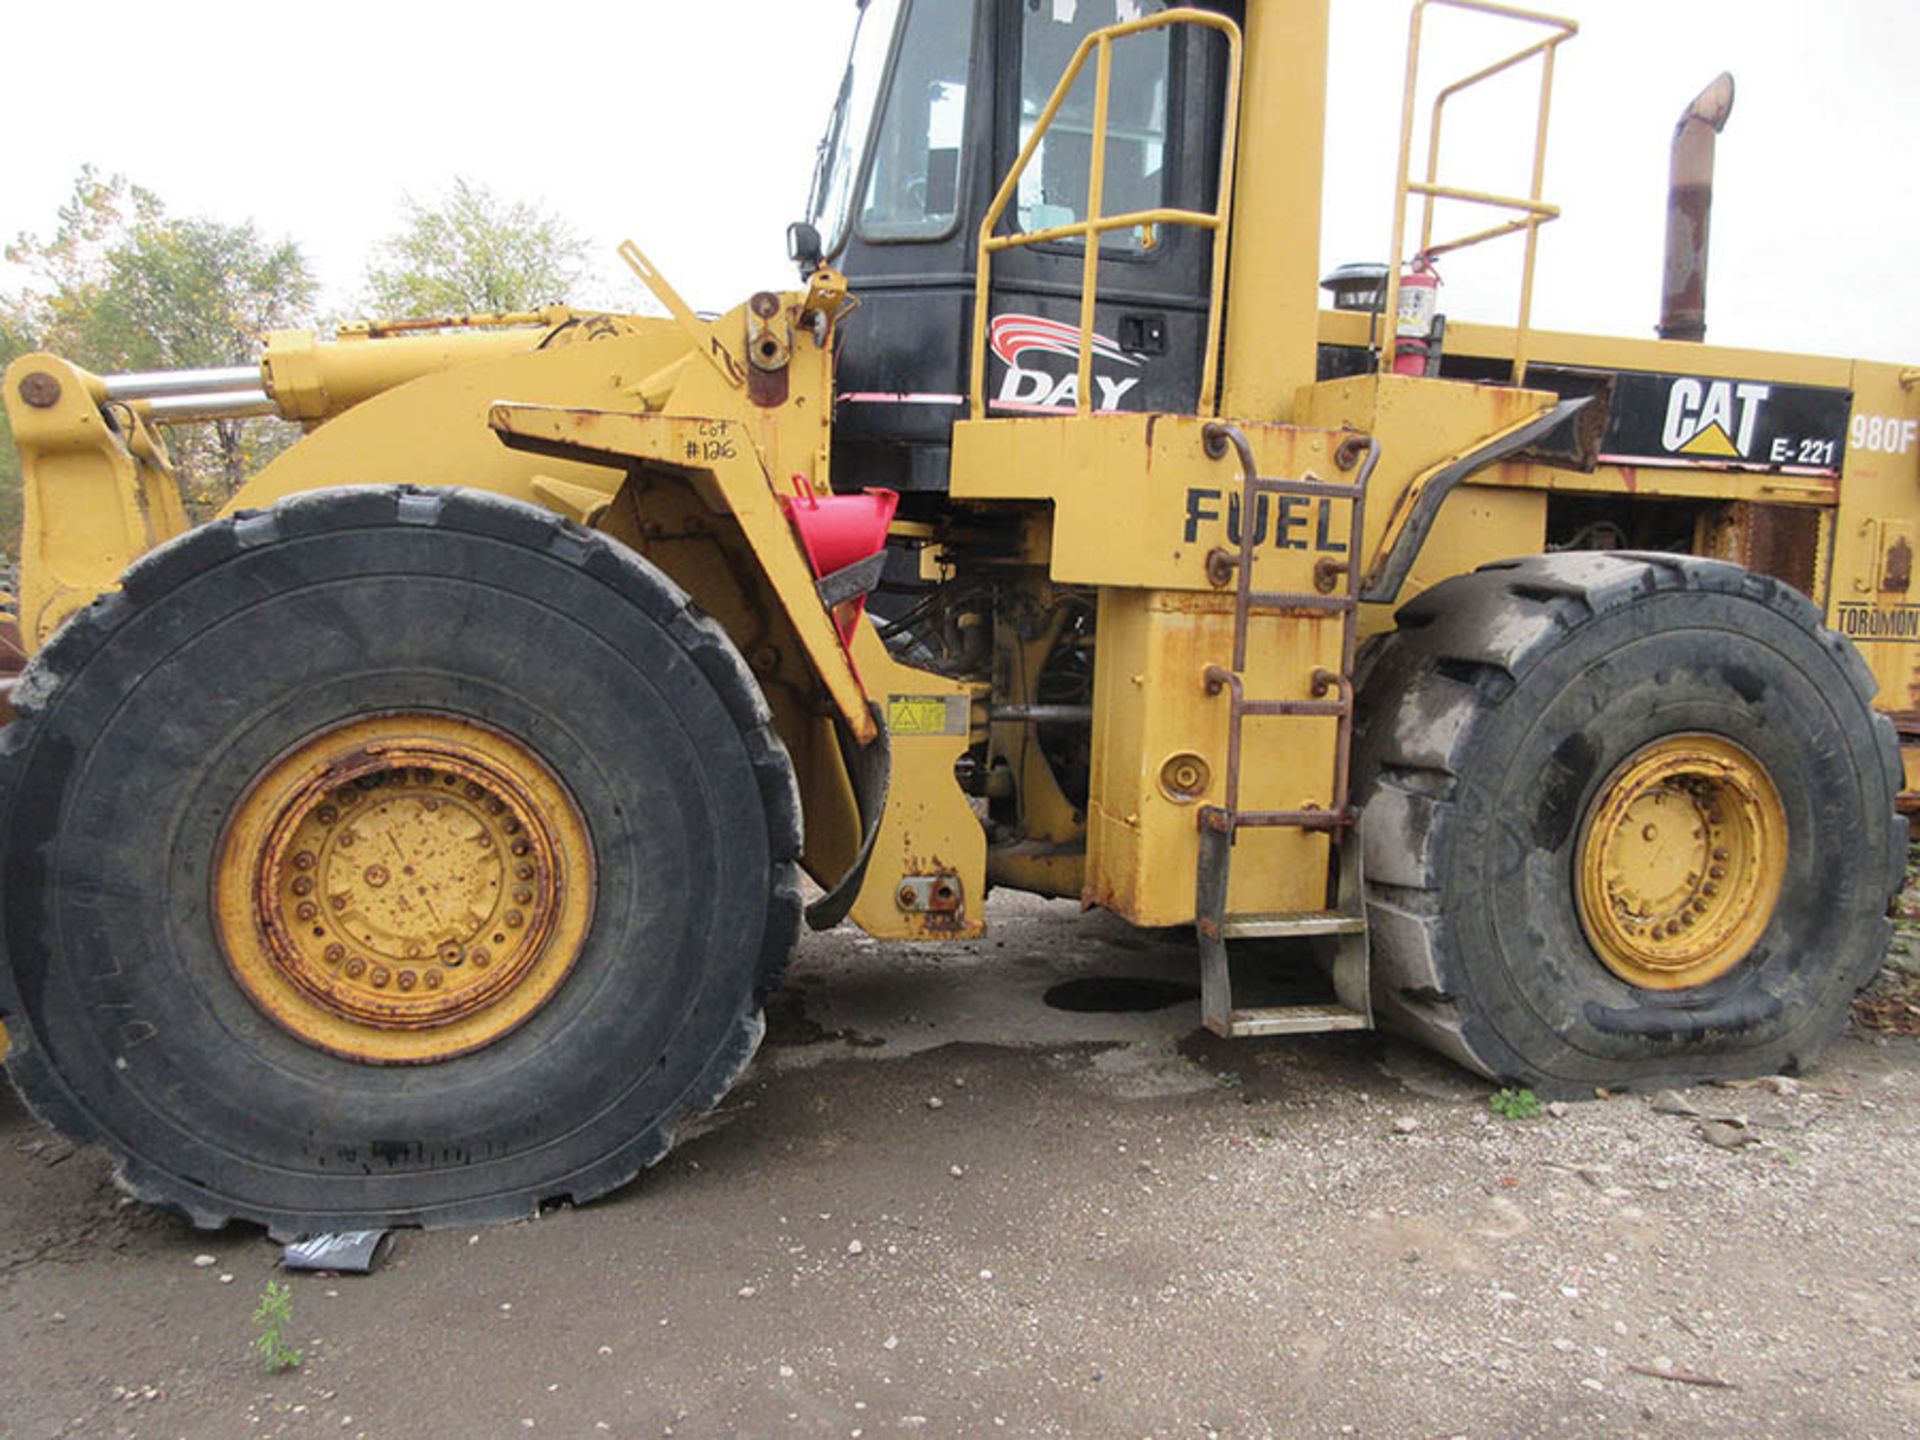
1629	822
573	885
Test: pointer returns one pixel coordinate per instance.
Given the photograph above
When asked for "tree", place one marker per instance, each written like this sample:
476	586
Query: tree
64	282
13	343
470	252
122	285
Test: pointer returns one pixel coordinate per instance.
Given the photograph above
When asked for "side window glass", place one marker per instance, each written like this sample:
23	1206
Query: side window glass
1053	191
914	192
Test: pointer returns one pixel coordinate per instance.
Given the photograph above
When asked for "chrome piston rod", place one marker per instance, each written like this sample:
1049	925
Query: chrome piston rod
159	384
175	397
215	405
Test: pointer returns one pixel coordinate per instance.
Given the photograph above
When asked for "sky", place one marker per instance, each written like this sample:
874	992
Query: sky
690	128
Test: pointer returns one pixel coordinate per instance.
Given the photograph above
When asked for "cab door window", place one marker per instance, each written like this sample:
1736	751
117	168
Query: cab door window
1053	190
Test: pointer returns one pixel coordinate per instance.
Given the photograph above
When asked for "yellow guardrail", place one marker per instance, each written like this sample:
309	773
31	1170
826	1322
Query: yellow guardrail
1532	211
1100	43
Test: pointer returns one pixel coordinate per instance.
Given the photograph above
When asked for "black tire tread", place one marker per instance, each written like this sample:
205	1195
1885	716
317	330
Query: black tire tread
478	512
1459	647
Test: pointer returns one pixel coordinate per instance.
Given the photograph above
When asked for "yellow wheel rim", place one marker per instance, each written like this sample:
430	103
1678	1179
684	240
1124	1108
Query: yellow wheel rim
403	888
1680	862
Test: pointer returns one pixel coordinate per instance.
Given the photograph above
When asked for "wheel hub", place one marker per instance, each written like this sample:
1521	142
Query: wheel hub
403	888
1680	862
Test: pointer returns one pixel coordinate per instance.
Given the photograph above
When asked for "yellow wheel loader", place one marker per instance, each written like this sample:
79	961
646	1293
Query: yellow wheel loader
418	840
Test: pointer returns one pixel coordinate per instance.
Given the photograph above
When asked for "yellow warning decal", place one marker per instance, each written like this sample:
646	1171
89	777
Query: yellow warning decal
927	714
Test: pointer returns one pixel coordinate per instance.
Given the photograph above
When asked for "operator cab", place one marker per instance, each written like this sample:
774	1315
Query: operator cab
937	100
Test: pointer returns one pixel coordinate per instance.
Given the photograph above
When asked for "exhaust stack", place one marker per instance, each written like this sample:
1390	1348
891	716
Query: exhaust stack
1683	295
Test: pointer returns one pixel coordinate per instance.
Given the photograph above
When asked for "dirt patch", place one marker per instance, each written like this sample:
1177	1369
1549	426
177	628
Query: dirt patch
1119	994
1016	1220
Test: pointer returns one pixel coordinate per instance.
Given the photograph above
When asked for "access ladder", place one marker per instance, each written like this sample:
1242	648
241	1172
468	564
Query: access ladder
1336	594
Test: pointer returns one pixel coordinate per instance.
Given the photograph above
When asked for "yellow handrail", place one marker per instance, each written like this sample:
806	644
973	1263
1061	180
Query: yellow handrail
1095	224
1533	211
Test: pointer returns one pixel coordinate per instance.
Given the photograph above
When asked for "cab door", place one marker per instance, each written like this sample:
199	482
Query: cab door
964	84
1162	150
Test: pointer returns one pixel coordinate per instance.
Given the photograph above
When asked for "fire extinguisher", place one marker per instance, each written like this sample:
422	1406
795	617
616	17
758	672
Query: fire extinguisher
1416	344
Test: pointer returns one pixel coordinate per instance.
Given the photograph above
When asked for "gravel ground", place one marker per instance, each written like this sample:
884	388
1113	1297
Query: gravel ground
940	1205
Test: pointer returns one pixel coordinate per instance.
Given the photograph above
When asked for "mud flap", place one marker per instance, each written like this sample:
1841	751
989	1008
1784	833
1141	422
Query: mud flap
870	768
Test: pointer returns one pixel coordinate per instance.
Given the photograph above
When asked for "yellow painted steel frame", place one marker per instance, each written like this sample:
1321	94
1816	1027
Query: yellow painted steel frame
415	410
1423	426
1160	740
97	495
1100	43
1160	622
731	474
928	832
1268	351
1868	528
1868	512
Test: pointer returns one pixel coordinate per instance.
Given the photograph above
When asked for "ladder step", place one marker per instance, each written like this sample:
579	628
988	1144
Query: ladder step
1292	925
1295	1020
1305	489
1291	600
1258	708
1292	819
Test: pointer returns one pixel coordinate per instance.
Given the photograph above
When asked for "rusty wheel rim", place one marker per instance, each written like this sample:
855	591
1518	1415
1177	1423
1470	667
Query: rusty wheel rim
403	888
1681	860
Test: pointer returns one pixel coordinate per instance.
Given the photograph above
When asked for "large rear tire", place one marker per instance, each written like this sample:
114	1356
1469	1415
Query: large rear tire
574	881
1629	822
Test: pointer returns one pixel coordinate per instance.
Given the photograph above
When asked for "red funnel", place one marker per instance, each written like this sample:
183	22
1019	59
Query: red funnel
837	531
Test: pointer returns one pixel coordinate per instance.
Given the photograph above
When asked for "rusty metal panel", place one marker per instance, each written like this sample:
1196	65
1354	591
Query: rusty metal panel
1160	755
1778	540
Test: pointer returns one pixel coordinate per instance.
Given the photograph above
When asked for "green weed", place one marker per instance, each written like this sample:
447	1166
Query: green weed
1514	1104
274	1315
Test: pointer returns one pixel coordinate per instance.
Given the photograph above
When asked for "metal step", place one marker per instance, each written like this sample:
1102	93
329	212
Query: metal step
1292	925
1294	1020
1353	1010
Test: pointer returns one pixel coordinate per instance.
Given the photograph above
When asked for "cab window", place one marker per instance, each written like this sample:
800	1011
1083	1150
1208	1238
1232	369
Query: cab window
1053	191
913	192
